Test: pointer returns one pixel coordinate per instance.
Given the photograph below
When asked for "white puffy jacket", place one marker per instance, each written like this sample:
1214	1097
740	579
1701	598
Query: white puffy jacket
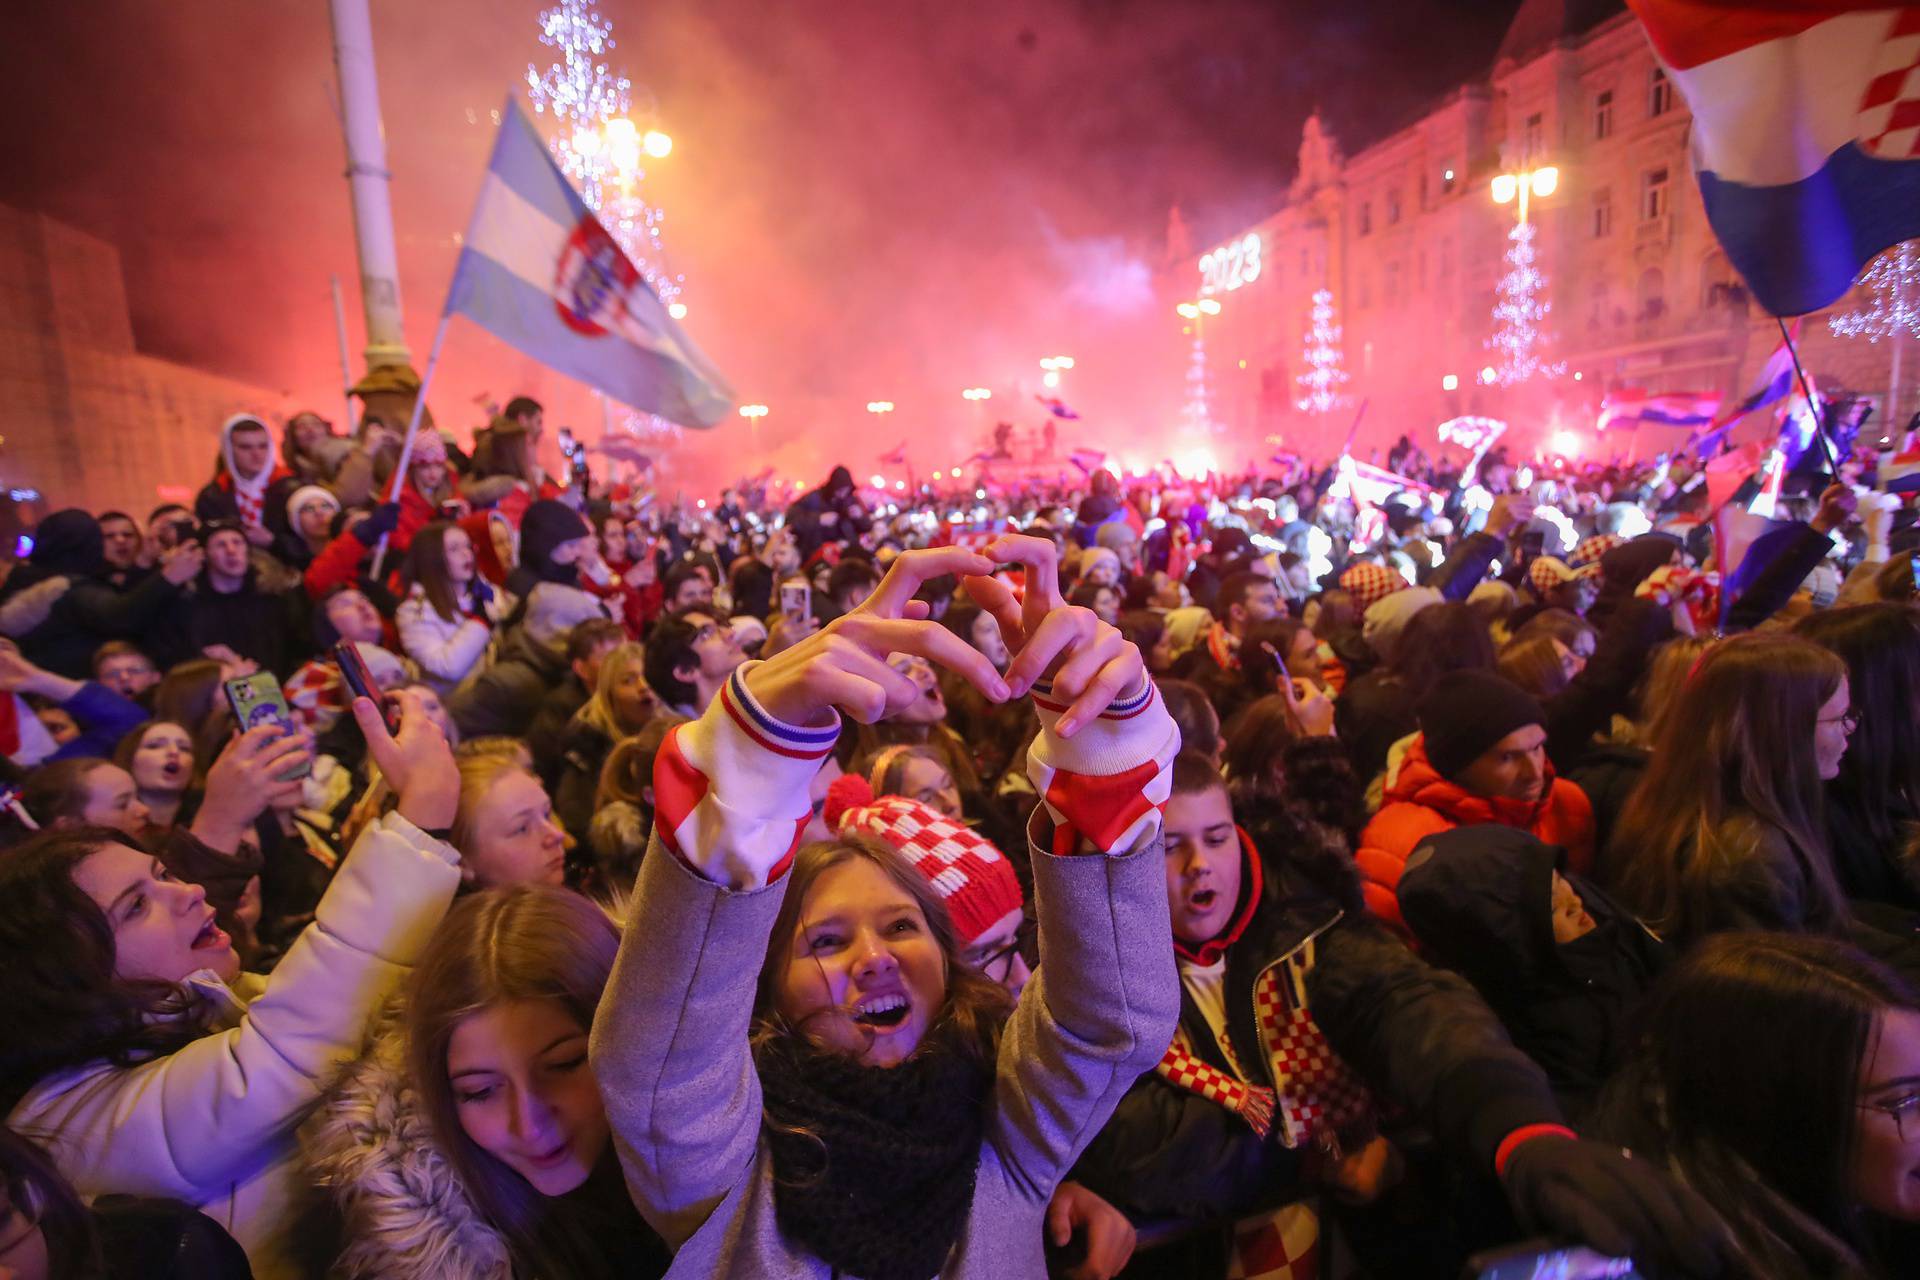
213	1123
448	652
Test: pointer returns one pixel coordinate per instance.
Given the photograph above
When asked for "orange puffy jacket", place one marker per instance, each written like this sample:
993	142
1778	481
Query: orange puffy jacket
1419	802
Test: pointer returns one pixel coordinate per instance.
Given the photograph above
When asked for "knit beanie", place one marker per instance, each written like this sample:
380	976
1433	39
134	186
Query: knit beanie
1592	549
1096	555
311	493
1369	583
548	523
1548	572
1466	712
973	878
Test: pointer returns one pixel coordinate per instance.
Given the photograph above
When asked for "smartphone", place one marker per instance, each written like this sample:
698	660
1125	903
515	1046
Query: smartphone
1532	543
796	598
1538	1260
360	683
257	700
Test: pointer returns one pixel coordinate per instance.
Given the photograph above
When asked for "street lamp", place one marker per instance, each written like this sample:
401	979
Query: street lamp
976	393
753	412
877	407
1541	182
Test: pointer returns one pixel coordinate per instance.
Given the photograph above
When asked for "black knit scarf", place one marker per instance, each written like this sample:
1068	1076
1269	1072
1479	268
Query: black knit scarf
873	1167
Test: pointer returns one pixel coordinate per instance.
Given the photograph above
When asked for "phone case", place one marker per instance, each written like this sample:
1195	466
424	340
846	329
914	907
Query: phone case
257	700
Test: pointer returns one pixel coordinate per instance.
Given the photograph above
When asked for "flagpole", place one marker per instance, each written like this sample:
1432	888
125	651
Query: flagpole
413	429
1813	406
346	361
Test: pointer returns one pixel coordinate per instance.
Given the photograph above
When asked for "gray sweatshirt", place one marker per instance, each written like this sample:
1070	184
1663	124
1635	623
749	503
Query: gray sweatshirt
670	1040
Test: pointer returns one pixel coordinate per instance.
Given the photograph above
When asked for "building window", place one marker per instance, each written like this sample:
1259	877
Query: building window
1603	115
1365	218
1423	189
1390	291
1393	208
1536	135
1446	261
1603	213
1365	291
1659	93
1653	194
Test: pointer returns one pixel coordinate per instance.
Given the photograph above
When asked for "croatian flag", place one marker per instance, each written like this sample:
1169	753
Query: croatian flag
1806	134
1775	381
539	272
1902	473
898	456
1669	409
1057	407
1087	459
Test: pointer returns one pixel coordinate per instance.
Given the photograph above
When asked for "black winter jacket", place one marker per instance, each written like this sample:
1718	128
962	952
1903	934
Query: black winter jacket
1419	1036
1480	900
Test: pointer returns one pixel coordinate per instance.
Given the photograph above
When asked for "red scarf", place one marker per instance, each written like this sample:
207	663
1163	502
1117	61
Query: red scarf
1221	645
1318	1095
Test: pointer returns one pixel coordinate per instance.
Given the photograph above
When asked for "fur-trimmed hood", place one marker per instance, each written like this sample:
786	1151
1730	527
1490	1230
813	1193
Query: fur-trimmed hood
405	1214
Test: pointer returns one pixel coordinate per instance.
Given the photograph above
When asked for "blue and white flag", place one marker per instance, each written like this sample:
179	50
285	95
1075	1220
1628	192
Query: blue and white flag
540	273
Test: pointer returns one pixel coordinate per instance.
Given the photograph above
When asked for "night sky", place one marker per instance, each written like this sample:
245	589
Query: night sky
868	198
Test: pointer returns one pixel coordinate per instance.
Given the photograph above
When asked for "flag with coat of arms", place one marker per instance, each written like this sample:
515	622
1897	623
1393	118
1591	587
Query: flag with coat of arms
538	271
1806	134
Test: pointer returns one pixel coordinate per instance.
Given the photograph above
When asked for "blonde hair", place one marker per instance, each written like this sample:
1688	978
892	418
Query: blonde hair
479	772
598	711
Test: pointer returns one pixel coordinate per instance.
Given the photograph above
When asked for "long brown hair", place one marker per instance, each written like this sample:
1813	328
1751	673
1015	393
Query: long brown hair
523	942
1738	742
1745	1081
1880	643
63	998
426	567
969	1021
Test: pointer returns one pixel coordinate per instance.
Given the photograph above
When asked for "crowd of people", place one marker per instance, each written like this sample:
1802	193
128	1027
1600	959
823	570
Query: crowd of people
1257	875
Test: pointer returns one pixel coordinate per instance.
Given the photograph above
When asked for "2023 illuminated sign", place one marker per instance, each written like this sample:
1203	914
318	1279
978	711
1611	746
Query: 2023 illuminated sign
1231	265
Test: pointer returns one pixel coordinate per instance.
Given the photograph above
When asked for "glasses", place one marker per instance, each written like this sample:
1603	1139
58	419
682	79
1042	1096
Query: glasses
999	963
1849	722
1901	1109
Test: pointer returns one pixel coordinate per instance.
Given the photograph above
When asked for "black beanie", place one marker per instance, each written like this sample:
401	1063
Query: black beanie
1466	712
546	524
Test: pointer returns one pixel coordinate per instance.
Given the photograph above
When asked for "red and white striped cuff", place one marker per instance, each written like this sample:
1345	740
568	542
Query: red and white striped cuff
730	788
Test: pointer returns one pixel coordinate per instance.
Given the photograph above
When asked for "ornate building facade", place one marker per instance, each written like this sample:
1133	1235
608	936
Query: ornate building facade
1408	238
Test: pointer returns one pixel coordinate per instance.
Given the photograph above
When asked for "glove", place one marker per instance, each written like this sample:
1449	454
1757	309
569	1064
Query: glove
1617	1205
377	524
1106	784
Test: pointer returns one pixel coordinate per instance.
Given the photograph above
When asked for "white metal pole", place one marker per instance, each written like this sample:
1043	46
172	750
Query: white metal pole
367	180
346	361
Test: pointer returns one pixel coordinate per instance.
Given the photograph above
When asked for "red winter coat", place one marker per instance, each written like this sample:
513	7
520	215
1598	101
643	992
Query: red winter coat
1419	803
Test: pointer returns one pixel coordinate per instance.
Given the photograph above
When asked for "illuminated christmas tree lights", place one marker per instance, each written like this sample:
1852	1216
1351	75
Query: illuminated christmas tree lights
1520	315
1325	373
1893	278
600	148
